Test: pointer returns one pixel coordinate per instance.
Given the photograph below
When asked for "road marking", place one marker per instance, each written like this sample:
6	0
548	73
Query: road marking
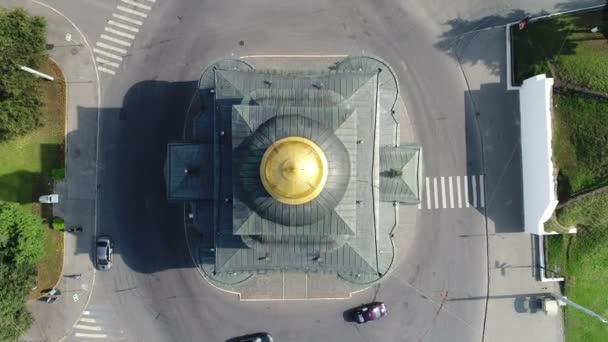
110	47
86	312
87	320
482	199
107	54
474	186
115	40
428	193
91	335
151	0
119	33
87	327
123	26
458	192
106	62
451	188
137	4
128	10
466	191
435	191
127	19
107	71
443	199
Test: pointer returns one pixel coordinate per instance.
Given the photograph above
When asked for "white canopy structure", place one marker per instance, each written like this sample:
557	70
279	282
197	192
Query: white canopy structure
539	183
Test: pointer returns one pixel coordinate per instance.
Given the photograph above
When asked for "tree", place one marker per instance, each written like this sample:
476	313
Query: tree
21	236
15	283
22	42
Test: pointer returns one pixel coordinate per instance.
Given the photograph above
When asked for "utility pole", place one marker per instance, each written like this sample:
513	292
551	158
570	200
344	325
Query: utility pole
580	307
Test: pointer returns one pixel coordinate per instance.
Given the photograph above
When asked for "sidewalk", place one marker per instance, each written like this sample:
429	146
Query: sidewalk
77	193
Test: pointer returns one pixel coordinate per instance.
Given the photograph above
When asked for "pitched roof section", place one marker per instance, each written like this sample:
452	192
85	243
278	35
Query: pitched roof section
186	178
399	172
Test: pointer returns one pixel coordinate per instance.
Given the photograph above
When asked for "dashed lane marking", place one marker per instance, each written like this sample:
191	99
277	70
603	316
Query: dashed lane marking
130	11
137	4
119	33
107	54
123	26
112	48
127	19
115	40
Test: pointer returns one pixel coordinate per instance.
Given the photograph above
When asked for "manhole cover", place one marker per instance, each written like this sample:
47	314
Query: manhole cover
74	51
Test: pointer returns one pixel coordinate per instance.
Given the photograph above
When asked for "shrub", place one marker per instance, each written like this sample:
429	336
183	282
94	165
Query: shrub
58	223
58	174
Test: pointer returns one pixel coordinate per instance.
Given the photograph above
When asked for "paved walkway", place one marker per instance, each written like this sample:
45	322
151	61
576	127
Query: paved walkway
77	192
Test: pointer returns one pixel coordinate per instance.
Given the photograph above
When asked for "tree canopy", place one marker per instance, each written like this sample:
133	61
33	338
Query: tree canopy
22	42
21	236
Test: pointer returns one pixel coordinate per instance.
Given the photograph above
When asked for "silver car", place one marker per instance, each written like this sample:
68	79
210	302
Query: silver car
104	253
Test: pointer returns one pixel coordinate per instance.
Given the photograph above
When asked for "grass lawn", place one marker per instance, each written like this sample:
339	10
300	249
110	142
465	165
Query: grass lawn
25	168
580	56
583	258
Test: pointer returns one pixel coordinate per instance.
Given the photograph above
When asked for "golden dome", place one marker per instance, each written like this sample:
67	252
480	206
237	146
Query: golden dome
293	170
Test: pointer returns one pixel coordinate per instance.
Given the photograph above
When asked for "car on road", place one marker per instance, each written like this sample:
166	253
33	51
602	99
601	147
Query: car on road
259	337
104	248
370	312
52	198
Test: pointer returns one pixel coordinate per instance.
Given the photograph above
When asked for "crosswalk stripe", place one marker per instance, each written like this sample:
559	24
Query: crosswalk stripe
112	48
451	189
107	71
115	40
128	10
151	0
435	191
107	54
466	191
106	62
86	312
87	320
458	193
91	335
474	185
428	193
87	327
482	199
119	33
443	199
127	19
137	4
123	26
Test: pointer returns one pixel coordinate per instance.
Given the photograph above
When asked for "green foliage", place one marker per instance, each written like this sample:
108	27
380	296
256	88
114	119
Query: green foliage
58	223
21	236
58	174
15	282
22	42
581	140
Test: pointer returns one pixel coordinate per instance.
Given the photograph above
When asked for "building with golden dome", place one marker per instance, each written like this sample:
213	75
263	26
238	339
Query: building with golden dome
286	171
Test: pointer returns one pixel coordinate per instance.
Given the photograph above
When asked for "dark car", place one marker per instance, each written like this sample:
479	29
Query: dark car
370	312
104	247
259	337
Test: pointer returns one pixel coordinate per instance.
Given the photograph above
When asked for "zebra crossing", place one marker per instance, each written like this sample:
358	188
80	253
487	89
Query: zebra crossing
96	325
453	192
119	33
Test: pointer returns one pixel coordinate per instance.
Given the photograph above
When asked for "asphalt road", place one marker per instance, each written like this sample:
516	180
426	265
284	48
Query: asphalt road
153	292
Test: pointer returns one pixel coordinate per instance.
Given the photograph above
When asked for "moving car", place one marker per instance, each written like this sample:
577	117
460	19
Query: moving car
370	312
259	337
104	247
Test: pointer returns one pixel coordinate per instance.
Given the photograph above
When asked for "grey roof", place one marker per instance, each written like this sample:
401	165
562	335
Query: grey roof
399	172
197	183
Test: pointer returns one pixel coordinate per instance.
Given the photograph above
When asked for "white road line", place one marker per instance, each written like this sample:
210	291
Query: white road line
87	327
110	47
107	71
466	191
91	335
119	33
86	312
115	40
123	26
443	199
106	62
87	320
482	196
458	192
428	193
451	188
435	191
107	54
137	4
151	0
127	19
474	185
128	10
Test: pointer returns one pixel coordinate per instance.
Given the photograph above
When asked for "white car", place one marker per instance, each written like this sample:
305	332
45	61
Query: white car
52	198
104	253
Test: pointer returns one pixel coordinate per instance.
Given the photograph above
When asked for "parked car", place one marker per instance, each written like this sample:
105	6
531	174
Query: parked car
370	312
52	198
104	247
259	337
